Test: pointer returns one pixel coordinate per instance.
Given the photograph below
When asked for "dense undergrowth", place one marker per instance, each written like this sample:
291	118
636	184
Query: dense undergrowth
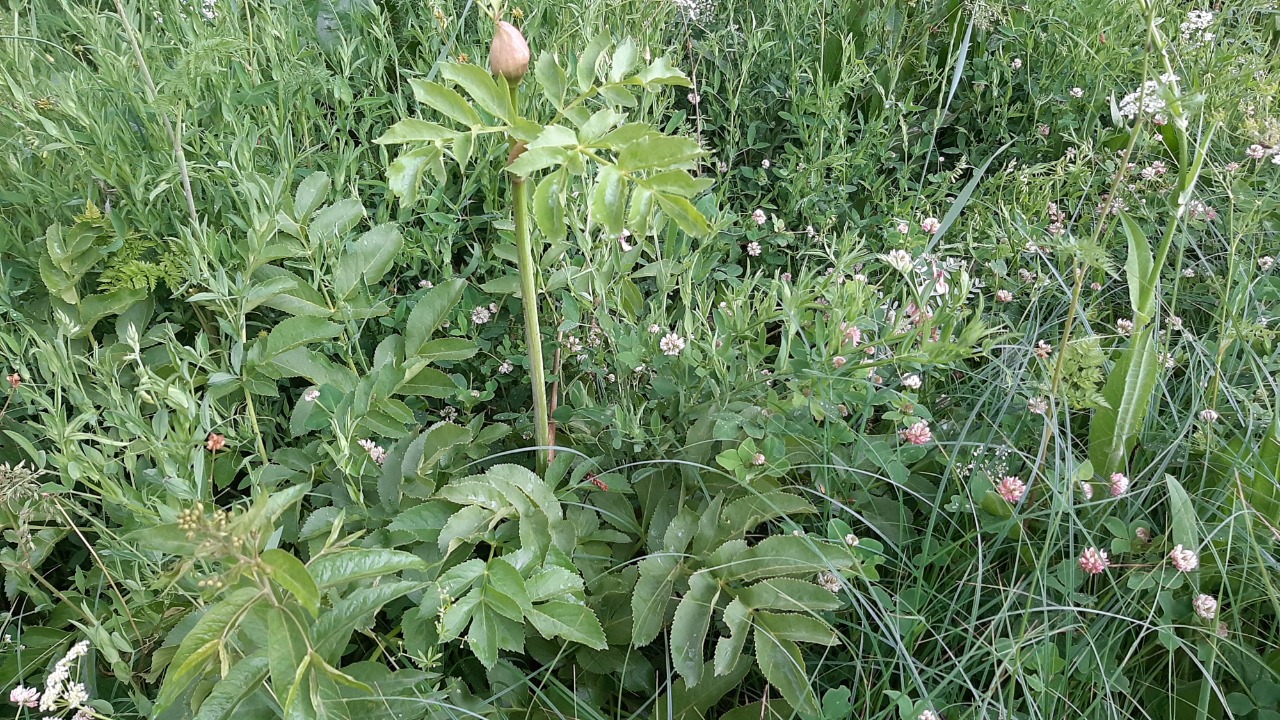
904	359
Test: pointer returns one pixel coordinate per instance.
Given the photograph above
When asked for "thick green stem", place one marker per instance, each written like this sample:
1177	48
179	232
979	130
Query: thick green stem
529	296
532	329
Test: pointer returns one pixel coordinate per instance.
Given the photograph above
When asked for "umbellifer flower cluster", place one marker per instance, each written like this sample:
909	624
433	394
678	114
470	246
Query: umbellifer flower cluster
60	692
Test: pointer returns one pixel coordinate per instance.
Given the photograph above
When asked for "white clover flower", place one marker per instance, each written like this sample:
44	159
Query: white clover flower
759	216
904	227
311	394
481	315
931	225
26	697
753	249
1077	92
900	260
1266	262
1184	560
376	452
1015	65
506	367
671	344
1206	606
912	381
1209	415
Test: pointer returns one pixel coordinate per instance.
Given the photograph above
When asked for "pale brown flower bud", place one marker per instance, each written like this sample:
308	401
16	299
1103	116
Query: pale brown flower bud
509	53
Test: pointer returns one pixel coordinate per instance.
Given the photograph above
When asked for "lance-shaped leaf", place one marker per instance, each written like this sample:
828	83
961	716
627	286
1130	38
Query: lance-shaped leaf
446	101
654	589
429	314
782	665
1128	393
413	130
480	85
369	257
690	625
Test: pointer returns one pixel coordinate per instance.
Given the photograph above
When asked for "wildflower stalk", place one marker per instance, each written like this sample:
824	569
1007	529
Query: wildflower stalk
529	297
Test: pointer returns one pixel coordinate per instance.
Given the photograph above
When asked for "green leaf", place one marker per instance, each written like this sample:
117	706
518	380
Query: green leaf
413	130
447	349
369	257
690	625
797	628
430	313
351	564
311	192
446	101
355	612
783	555
788	594
243	680
965	194
1183	523
1128	393
586	70
290	641
609	200
202	642
555	136
660	72
552	582
678	182
729	649
551	79
548	208
568	620
684	213
292	575
535	159
296	331
479	84
427	381
296	297
464	525
641	211
472	492
746	513
782	665
436	442
334	220
654	589
601	122
305	363
404	175
659	152
624	59
1138	269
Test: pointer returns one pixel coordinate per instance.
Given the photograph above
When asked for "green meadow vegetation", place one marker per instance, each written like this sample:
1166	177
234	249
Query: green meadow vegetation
639	359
